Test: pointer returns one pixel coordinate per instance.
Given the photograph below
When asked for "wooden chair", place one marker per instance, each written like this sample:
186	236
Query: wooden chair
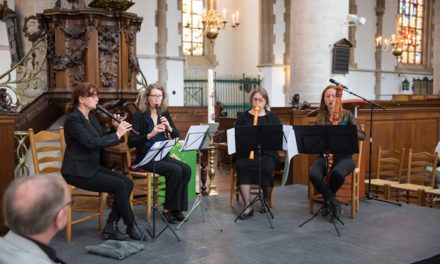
431	198
348	193
235	191
388	171
47	148
144	192
419	178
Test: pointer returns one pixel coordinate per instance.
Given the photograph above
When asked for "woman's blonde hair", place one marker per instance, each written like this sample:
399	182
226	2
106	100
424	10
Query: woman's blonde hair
142	99
323	111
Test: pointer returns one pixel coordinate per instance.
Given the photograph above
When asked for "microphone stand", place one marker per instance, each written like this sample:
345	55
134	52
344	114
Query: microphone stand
372	105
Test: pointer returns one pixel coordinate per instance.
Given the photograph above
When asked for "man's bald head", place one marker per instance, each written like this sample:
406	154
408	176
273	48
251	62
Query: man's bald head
31	204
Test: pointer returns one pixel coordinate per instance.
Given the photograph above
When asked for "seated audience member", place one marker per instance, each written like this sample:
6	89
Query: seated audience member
34	215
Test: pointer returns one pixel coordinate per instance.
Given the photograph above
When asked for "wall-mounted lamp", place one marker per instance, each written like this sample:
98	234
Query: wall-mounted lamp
405	85
355	20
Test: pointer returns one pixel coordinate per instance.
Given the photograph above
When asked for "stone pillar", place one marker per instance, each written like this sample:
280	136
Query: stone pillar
272	49
315	27
161	45
436	48
380	9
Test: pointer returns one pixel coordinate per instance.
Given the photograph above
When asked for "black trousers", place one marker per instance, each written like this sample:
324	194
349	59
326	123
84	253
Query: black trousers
341	168
110	182
177	175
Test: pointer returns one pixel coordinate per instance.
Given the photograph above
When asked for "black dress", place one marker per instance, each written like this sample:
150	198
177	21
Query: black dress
247	170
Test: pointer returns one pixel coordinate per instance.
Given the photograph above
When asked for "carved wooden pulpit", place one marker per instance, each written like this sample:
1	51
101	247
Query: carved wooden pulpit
92	45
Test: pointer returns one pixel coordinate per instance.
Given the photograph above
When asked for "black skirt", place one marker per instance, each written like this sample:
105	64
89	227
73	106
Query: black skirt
248	170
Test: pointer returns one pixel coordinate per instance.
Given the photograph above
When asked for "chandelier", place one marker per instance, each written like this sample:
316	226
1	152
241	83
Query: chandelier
397	40
212	22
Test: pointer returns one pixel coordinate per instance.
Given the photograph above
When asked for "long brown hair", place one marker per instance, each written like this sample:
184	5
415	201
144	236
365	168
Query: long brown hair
142	100
322	117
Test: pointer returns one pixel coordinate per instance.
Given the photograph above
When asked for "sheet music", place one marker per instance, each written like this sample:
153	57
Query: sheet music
194	137
208	137
289	141
160	146
291	148
230	135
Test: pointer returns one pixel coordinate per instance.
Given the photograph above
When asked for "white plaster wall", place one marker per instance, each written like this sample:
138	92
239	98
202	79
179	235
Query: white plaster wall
146	38
226	42
361	83
148	67
175	83
274	82
237	51
365	36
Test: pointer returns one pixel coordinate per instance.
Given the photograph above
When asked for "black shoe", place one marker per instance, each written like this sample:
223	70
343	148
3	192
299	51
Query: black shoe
325	209
169	217
336	207
245	216
135	233
179	215
262	210
111	231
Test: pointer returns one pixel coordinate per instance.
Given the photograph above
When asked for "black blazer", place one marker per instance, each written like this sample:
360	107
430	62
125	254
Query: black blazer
85	140
139	124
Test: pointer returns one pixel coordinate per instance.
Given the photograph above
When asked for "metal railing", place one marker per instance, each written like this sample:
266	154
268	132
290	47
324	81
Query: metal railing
231	91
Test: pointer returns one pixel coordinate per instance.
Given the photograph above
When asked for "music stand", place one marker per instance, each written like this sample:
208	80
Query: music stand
156	153
199	138
326	140
255	138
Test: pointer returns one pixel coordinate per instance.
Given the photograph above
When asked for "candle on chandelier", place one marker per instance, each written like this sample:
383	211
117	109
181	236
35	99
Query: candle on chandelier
233	19
238	17
379	41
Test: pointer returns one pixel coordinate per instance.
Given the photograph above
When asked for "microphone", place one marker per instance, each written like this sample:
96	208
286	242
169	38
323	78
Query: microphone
159	115
105	111
335	82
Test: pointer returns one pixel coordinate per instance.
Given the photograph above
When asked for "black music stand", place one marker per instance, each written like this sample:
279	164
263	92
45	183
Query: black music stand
258	138
157	152
327	140
199	138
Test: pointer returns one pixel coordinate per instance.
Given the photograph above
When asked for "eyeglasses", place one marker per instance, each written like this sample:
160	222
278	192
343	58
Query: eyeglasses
69	203
259	100
156	96
94	96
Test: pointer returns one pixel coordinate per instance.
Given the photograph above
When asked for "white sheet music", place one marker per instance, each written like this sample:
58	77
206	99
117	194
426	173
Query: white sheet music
230	135
289	141
160	146
194	137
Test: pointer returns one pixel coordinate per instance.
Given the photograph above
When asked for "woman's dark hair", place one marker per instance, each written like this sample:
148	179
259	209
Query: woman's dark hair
82	89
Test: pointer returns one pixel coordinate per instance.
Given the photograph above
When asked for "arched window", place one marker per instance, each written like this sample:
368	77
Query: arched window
192	28
412	31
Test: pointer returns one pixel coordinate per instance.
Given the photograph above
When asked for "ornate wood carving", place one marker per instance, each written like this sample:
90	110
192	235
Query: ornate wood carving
76	49
92	45
108	55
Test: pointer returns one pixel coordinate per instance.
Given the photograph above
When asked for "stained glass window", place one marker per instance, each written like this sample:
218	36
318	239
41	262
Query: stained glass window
411	29
192	27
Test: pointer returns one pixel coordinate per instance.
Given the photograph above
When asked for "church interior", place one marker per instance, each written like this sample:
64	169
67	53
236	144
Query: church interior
210	55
